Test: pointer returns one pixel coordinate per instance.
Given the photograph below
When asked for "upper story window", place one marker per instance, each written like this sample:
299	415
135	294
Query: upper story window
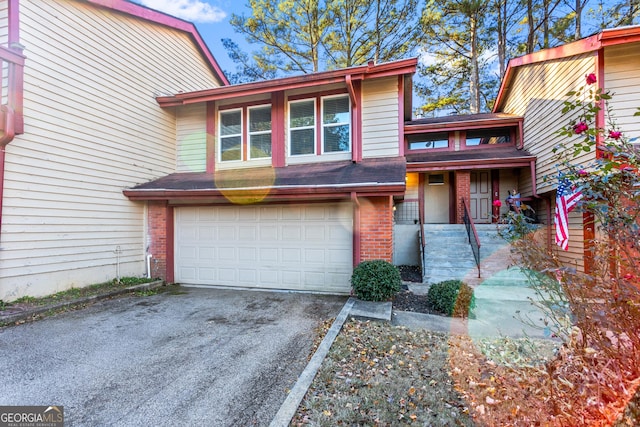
429	141
302	127
260	132
336	120
238	143
333	125
231	135
488	137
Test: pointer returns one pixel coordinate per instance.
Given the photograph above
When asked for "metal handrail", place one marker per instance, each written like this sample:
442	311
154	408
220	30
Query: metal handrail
471	227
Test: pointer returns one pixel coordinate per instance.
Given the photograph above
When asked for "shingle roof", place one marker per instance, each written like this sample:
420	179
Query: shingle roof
383	175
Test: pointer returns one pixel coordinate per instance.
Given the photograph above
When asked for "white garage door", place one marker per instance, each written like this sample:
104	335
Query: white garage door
301	247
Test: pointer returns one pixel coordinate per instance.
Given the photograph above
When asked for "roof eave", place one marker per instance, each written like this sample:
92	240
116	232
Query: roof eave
267	194
463	125
513	162
364	72
608	37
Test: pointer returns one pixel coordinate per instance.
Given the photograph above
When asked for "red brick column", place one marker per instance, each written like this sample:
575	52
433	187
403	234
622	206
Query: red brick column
376	228
463	190
157	222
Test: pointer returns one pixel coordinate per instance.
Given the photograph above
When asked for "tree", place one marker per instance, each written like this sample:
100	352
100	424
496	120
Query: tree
625	12
455	38
508	13
246	69
290	33
311	35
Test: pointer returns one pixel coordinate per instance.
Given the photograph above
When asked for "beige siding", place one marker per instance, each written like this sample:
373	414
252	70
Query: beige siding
537	93
192	138
380	120
92	128
622	78
574	255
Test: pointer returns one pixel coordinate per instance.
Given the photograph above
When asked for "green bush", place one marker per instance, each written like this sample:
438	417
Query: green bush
375	280
451	297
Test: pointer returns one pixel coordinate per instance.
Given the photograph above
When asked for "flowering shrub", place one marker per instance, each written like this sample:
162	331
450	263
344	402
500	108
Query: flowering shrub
596	313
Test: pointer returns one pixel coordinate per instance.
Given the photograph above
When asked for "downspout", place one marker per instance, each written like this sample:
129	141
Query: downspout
356	228
353	87
14	88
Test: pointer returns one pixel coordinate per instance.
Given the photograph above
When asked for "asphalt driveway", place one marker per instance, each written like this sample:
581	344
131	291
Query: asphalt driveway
198	357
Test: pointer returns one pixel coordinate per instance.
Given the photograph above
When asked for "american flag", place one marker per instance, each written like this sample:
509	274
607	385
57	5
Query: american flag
566	199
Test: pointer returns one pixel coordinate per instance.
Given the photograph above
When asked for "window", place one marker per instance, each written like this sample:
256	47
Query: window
260	132
302	129
429	141
231	135
336	119
488	137
333	125
238	143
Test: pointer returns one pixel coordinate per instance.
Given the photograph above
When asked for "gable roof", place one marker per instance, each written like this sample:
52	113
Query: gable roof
607	37
151	15
343	75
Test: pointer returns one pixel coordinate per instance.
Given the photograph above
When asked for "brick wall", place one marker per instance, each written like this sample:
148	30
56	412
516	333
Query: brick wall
376	229
463	189
157	220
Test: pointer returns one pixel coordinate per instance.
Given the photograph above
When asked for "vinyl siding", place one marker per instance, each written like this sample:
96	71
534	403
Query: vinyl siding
192	138
380	127
92	128
622	79
537	92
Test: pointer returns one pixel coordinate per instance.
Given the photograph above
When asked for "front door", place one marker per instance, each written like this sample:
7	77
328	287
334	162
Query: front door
436	198
480	202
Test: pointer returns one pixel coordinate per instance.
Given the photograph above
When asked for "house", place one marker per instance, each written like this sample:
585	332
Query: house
302	178
535	87
126	152
295	183
79	123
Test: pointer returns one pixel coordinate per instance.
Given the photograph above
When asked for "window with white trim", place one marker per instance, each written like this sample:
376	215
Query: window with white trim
302	127
245	133
336	124
230	135
259	132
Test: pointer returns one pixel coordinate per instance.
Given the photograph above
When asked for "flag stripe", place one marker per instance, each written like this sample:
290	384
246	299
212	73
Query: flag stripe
566	200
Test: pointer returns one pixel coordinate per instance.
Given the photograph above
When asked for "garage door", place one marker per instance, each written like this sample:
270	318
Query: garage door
301	247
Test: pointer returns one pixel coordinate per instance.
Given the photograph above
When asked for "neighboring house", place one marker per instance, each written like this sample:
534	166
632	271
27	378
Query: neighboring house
535	87
80	123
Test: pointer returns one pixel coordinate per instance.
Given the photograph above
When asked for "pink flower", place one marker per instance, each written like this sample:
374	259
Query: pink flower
629	276
591	79
580	127
497	203
615	134
582	172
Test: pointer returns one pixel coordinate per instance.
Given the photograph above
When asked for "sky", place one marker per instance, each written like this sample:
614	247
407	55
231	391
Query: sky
211	18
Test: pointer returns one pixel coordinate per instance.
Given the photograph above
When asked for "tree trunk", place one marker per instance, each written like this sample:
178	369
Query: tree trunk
579	7
531	39
501	24
474	81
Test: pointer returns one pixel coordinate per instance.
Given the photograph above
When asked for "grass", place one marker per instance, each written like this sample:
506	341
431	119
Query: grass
75	293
